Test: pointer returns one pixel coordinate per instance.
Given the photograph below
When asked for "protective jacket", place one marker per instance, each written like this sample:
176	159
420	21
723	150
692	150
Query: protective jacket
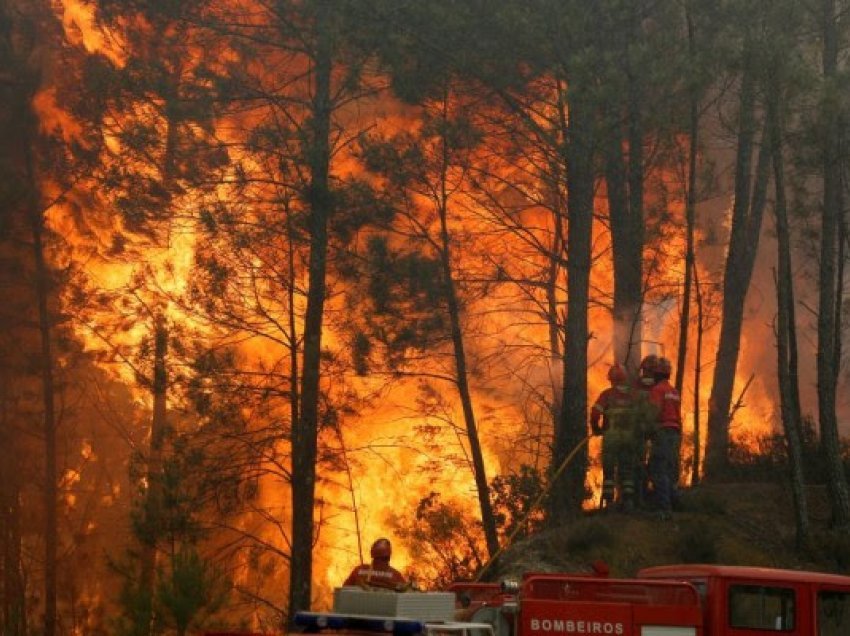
611	404
667	400
378	574
623	413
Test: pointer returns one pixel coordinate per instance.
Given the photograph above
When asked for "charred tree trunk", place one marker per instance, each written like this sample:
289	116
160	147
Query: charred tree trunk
488	520
624	175
153	498
461	378
747	212
292	318
690	223
633	300
23	226
305	429
827	298
567	496
13	593
158	383
45	328
696	461
42	290
554	269
786	333
627	248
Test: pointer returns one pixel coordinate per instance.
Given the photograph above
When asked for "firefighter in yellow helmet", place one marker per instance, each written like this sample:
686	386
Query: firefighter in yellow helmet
380	573
613	417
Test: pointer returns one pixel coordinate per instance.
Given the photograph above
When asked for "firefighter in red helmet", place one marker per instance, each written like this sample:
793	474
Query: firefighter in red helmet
648	367
643	384
380	573
613	417
666	439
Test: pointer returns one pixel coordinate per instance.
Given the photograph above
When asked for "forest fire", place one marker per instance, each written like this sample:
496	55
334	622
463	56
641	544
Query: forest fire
288	277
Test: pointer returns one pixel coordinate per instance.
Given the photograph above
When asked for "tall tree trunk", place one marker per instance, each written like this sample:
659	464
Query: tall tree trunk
159	381
627	248
554	270
292	318
827	298
13	594
690	220
153	499
488	520
567	496
21	69
624	174
786	336
461	377
747	212
305	429
45	327
696	461
633	303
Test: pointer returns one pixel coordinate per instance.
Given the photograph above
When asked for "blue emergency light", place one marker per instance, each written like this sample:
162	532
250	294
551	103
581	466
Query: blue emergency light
318	621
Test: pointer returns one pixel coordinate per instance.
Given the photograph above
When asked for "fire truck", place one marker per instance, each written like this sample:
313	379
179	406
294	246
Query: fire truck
672	600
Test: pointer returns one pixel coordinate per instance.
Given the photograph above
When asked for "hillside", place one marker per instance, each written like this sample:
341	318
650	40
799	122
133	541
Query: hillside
736	524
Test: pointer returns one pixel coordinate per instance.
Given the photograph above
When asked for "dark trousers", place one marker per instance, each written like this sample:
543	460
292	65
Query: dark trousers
664	466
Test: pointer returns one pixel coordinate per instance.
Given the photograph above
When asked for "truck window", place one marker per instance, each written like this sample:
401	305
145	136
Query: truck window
761	607
833	613
701	588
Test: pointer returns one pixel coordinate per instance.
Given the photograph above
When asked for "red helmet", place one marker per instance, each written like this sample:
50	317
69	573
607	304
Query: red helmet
382	549
649	365
616	374
663	367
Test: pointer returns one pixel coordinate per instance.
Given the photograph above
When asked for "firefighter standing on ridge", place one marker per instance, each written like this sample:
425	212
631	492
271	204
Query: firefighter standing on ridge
380	573
644	384
666	439
613	416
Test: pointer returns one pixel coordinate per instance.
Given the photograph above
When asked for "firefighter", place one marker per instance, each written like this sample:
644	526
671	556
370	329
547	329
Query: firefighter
647	423
647	372
666	440
380	573
613	417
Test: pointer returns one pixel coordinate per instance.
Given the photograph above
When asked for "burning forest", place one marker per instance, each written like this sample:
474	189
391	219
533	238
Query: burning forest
285	277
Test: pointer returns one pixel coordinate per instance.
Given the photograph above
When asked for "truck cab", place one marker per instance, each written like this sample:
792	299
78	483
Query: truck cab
751	601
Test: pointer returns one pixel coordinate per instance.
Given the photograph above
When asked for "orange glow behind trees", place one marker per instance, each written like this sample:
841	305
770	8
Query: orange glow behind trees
241	180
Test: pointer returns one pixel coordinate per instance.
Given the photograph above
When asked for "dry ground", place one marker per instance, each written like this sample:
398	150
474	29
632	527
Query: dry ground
735	524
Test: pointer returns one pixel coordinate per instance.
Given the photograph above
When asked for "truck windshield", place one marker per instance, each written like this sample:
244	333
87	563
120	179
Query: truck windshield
761	607
833	613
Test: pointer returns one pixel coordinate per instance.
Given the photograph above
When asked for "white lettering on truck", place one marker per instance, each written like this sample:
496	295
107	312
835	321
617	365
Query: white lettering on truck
609	628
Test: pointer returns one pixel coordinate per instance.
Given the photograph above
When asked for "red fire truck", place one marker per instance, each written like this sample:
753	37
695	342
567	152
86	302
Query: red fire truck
673	600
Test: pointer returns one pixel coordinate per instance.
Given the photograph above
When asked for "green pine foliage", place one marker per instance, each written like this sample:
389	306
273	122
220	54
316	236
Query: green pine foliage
189	588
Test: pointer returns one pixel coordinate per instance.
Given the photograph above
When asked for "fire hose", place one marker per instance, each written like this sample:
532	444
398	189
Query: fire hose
534	505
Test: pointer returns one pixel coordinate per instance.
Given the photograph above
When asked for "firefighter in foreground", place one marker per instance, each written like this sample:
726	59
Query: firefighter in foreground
666	440
616	416
380	574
